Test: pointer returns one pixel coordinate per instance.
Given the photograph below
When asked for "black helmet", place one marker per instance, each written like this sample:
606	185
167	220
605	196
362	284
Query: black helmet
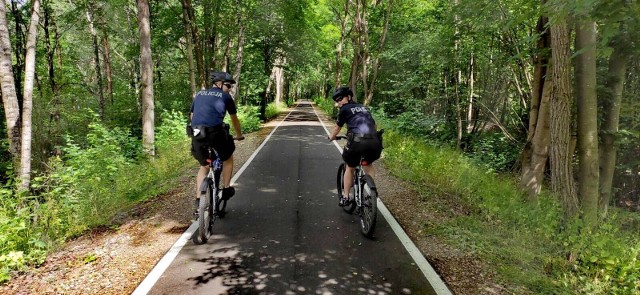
217	76
229	79
342	92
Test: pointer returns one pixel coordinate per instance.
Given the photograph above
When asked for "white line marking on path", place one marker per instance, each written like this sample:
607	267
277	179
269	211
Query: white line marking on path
157	271
432	276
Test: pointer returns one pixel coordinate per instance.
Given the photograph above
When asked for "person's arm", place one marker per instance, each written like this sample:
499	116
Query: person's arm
339	125
236	126
335	132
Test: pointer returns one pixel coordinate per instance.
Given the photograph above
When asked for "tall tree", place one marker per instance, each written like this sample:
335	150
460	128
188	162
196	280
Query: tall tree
9	95
189	50
91	9
27	107
376	62
611	108
536	151
562	182
146	71
16	10
106	56
195	37
235	90
339	47
587	103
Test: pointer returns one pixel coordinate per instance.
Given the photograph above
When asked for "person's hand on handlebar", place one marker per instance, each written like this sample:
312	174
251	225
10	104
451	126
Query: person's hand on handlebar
330	138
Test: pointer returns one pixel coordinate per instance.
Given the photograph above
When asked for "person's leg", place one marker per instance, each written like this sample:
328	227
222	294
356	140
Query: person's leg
225	148
202	173
227	171
369	170
348	180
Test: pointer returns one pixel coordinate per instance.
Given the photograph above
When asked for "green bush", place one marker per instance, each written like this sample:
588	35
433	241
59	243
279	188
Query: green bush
273	110
327	105
87	187
528	244
495	151
249	117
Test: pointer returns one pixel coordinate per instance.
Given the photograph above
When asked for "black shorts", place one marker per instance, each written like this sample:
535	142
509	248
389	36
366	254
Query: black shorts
368	148
216	137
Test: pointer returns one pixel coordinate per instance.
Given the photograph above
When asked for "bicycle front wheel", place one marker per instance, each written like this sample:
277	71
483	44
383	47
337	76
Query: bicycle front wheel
369	195
205	212
340	186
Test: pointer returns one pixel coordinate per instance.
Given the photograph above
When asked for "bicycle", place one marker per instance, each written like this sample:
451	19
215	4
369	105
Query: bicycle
365	196
209	194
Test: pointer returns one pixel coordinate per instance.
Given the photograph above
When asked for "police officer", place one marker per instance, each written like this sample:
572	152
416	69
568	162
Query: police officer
208	110
362	139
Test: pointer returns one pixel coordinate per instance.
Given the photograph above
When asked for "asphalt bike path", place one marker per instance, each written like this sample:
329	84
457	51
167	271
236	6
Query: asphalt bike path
285	234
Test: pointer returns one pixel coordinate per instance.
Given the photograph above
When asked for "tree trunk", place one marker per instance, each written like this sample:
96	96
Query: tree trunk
562	182
588	172
343	33
533	174
50	52
536	151
364	48
30	68
202	75
209	34
146	71
9	96
611	109
96	59
187	37
376	62
458	80
20	51
225	57
470	107
134	72
357	49
235	90
49	22
278	73
107	65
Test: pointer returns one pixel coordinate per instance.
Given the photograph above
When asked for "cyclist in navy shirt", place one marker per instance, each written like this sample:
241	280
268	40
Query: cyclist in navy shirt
208	110
362	139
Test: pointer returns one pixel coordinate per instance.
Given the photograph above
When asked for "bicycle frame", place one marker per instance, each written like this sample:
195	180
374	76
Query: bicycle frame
214	166
357	184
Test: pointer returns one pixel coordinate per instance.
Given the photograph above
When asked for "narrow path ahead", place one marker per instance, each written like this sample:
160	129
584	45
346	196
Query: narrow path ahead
285	234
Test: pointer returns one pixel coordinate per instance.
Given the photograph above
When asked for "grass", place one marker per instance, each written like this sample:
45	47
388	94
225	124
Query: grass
527	244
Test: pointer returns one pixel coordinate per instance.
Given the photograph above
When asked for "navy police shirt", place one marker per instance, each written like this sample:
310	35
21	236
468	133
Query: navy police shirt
209	107
357	118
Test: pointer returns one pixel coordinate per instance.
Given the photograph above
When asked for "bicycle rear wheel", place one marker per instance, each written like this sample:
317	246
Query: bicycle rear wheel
221	204
368	215
340	185
204	211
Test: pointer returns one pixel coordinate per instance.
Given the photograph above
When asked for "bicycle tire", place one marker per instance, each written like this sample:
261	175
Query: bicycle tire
369	212
221	204
340	186
205	212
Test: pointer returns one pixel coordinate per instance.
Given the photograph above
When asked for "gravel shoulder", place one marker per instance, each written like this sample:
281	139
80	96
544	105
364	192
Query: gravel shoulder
115	260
